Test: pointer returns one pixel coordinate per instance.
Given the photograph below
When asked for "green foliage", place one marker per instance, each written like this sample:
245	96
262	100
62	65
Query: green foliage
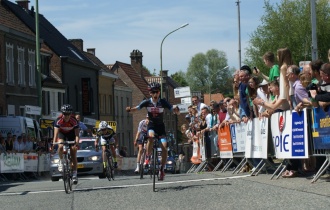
288	24
206	72
179	77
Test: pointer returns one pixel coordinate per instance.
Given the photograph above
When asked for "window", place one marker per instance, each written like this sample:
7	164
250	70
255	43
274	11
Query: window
32	69
10	64
52	100
44	64
21	66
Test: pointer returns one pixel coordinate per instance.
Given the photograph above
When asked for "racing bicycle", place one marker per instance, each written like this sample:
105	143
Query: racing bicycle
143	157
155	165
110	169
66	167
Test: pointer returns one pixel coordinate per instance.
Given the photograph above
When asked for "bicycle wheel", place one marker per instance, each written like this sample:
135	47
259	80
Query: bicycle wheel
141	166
110	169
154	157
66	179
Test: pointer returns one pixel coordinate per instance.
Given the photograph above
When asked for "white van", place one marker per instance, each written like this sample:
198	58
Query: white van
18	125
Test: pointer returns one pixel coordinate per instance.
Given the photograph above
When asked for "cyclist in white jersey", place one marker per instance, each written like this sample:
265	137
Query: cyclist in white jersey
140	135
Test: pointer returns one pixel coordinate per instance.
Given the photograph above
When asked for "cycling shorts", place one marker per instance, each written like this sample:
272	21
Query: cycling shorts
158	129
142	137
104	141
70	136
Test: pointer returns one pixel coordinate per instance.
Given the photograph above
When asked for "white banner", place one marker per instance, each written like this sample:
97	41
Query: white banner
182	92
183	108
289	134
12	163
256	147
33	110
202	148
186	100
31	162
238	136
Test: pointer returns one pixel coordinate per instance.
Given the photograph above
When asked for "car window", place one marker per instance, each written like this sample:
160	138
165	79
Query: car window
86	145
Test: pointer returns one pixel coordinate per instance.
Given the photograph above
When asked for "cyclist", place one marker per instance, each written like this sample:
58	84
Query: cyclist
66	128
140	135
155	107
106	133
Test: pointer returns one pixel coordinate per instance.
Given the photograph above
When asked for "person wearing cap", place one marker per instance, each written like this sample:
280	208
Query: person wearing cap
263	93
139	137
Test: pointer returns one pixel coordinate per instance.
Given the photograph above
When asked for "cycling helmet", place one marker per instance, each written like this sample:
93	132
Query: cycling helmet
66	108
154	86
103	125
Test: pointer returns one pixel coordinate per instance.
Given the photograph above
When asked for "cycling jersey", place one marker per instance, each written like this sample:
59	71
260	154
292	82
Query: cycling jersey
107	136
155	110
143	130
66	127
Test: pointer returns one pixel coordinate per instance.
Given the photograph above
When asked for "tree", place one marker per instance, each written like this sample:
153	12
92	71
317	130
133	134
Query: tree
179	77
206	72
288	24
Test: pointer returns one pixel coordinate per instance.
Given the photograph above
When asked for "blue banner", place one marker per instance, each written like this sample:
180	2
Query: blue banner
321	128
298	143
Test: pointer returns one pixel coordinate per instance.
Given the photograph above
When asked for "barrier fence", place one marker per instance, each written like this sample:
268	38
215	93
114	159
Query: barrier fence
286	135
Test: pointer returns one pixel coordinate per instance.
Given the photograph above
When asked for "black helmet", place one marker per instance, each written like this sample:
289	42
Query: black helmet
66	108
154	86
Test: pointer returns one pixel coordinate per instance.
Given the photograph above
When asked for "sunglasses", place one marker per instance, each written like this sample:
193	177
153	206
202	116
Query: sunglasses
66	114
194	101
153	92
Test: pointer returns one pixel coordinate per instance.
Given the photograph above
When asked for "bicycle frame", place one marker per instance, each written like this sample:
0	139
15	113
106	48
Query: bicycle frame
67	169
110	168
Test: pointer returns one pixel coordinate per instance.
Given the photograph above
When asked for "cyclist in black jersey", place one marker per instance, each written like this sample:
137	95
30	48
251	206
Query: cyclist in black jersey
155	107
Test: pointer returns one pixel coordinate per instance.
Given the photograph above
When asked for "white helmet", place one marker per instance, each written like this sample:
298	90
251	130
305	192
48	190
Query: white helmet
103	125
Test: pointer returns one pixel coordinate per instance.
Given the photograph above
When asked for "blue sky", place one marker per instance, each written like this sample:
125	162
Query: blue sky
115	28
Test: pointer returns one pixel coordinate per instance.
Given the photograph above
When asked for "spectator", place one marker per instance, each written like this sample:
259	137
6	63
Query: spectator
251	91
263	93
199	105
9	142
205	128
29	144
2	145
214	127
82	127
117	151
123	151
323	97
19	146
235	87
232	112
244	76
274	72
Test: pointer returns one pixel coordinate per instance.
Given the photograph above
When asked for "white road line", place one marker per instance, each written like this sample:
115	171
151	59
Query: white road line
124	186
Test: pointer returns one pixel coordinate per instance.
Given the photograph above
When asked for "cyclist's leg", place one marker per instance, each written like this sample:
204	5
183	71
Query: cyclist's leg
163	145
104	155
138	156
60	151
114	156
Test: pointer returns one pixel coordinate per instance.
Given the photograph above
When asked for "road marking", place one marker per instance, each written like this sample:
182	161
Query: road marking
123	186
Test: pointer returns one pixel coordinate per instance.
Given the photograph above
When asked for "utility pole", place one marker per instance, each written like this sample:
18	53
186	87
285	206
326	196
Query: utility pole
239	33
314	36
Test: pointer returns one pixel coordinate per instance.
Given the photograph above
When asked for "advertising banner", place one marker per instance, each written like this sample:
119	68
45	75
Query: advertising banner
12	163
31	162
182	92
256	146
224	142
320	128
238	136
289	134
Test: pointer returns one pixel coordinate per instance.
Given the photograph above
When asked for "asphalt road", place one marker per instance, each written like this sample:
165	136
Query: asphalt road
211	190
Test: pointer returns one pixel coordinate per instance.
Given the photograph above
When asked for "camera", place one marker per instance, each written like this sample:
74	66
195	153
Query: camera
256	70
312	86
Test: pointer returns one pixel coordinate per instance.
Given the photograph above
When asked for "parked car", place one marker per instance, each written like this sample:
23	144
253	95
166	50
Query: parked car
89	161
172	164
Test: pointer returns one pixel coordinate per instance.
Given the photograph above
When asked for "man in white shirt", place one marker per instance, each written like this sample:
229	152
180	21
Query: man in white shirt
198	104
19	146
206	131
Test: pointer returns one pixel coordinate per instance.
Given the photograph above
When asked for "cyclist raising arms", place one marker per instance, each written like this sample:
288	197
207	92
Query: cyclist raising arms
155	107
106	133
140	135
66	128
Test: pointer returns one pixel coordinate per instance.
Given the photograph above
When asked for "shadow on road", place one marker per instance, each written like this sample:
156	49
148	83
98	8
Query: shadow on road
180	188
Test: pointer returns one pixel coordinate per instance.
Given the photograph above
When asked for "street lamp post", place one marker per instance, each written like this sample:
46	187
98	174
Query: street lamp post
161	58
210	76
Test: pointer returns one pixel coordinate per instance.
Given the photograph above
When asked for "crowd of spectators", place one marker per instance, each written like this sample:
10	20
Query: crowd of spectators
22	144
257	95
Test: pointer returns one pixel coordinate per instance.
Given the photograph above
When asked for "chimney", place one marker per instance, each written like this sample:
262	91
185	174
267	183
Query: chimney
23	3
164	73
91	50
136	61
78	43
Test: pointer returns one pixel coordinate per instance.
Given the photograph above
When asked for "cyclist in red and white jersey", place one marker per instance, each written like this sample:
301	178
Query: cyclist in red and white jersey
66	128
